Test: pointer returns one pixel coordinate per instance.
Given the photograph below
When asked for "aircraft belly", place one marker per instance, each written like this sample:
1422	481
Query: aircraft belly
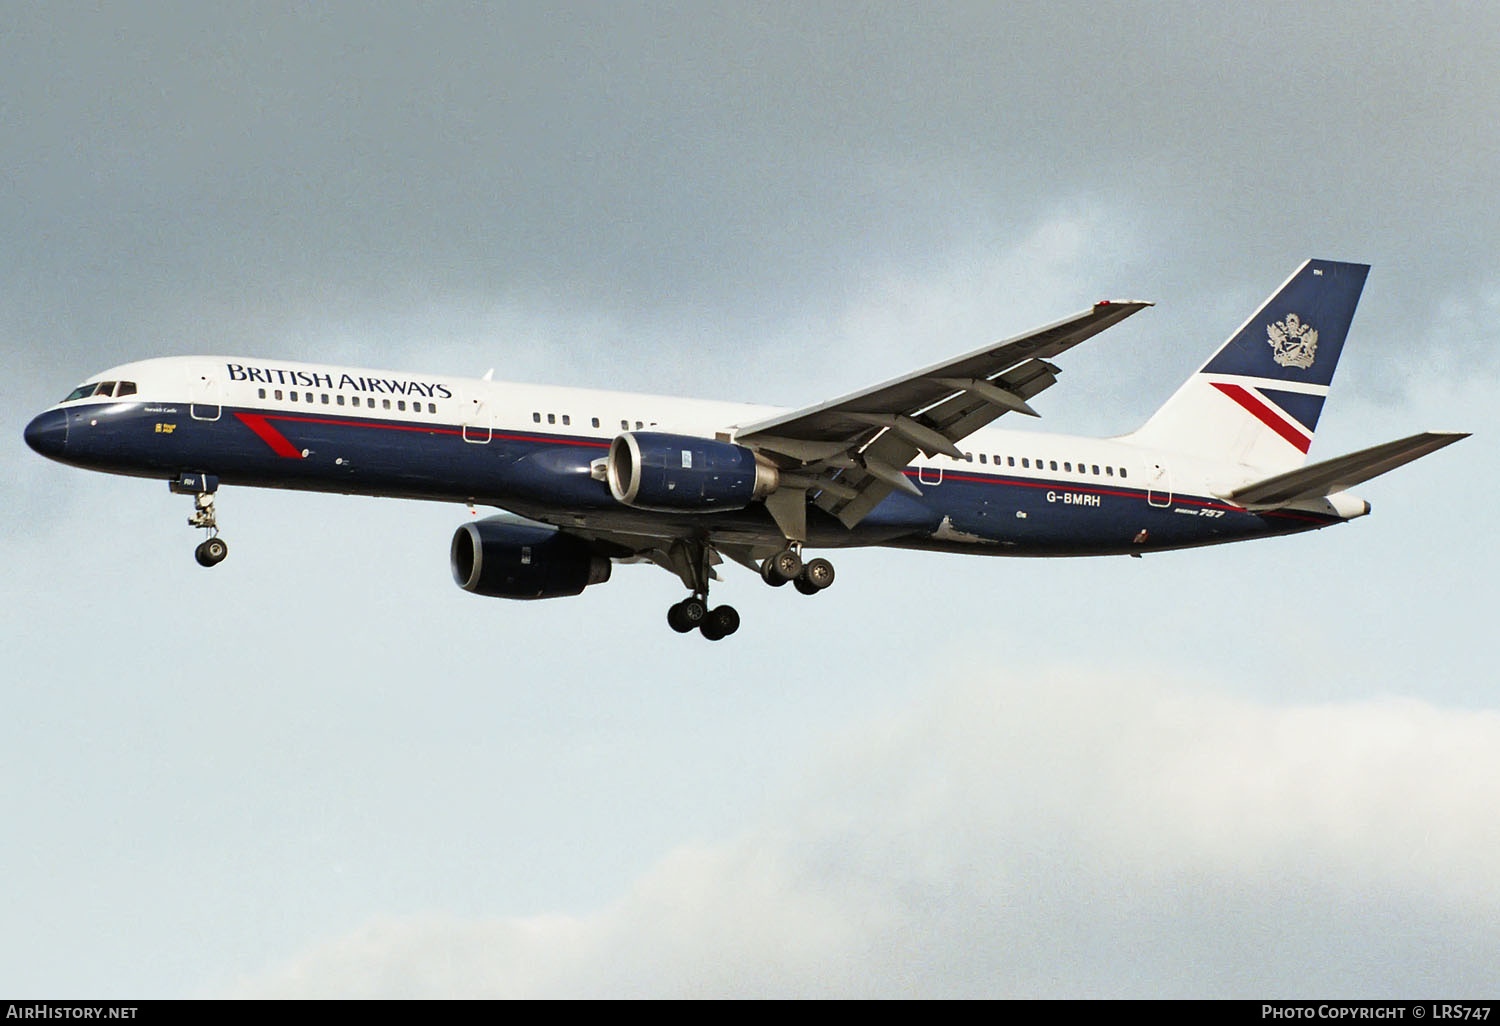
1007	516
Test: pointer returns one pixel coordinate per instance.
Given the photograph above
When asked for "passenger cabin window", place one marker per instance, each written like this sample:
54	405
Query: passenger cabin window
1010	461
1122	472
596	422
567	420
1054	464
432	407
261	392
536	418
325	398
385	404
551	418
340	399
1096	469
293	396
1108	471
982	458
1068	467
1025	463
278	393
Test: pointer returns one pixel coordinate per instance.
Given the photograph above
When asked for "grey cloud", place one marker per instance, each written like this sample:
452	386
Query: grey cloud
742	163
1052	834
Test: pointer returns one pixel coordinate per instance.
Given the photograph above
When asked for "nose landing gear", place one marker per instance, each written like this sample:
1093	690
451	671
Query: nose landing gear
211	552
203	488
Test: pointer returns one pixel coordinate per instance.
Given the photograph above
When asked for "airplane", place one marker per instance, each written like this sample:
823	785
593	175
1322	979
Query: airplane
587	479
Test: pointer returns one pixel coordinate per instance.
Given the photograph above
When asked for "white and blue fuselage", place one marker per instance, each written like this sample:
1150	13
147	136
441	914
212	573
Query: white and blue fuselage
606	477
531	449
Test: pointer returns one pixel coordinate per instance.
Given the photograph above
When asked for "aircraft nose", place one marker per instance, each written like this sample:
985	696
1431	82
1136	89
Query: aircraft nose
48	433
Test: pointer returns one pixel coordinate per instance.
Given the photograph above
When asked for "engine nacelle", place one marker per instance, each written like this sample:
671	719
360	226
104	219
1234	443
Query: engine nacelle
682	474
503	559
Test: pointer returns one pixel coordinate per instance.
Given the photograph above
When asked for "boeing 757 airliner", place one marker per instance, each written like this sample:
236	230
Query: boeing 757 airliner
592	478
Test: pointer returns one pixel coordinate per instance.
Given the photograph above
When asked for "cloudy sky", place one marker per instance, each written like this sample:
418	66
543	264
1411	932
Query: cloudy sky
321	769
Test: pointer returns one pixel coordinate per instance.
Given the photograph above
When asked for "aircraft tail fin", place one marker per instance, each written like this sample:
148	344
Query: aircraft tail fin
1330	476
1257	400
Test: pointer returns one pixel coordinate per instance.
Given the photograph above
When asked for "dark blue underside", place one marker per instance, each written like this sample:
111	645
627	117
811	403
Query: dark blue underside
548	477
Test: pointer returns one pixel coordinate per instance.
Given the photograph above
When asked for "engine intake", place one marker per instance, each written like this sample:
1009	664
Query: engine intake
683	474
501	558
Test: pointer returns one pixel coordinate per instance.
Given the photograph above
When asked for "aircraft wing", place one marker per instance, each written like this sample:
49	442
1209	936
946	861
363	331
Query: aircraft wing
849	453
1335	475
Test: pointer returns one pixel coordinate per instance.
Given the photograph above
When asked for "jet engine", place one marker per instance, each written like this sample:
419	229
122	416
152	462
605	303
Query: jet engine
501	558
683	474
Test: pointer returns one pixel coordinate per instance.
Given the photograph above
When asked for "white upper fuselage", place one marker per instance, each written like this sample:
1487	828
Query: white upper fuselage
503	406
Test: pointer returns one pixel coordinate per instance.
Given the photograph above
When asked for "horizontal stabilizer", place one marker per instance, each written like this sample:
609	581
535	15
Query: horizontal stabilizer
1335	475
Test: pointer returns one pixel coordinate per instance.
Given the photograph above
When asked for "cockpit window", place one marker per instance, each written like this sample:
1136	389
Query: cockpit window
102	389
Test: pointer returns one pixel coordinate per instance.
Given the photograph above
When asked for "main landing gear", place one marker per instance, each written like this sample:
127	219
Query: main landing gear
809	578
203	488
693	613
690	560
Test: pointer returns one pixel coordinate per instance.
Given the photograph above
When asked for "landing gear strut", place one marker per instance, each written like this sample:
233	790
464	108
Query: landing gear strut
203	488
693	613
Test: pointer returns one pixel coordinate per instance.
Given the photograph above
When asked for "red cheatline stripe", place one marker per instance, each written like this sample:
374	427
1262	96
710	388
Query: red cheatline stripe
431	429
275	439
1264	414
260	424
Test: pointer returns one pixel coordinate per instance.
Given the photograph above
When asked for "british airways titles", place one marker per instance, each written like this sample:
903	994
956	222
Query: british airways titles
310	379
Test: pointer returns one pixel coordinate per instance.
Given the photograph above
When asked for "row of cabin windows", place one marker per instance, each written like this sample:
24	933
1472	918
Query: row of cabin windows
1067	466
567	421
385	404
128	388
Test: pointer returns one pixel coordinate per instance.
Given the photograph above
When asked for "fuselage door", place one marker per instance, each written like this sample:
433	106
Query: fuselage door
205	398
930	476
1158	484
478	424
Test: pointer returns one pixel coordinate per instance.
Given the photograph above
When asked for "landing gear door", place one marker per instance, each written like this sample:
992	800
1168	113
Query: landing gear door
205	398
1158	484
477	426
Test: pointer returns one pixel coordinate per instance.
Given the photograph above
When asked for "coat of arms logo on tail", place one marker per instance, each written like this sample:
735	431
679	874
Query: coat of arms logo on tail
1295	344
